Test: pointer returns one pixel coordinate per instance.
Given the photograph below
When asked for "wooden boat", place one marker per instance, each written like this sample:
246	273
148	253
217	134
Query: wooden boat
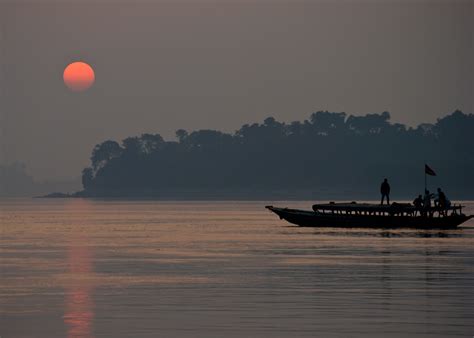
364	215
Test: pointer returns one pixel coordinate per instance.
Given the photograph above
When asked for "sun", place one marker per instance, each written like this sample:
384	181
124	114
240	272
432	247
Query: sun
78	76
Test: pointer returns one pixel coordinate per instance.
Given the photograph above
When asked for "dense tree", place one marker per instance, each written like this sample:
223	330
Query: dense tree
87	178
104	152
326	123
329	152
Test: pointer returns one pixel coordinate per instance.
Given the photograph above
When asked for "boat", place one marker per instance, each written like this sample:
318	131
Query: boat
366	215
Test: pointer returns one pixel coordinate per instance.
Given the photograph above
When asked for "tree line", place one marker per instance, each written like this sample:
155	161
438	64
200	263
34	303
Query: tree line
329	154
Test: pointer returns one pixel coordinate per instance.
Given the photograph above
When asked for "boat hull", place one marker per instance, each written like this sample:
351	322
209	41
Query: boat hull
313	219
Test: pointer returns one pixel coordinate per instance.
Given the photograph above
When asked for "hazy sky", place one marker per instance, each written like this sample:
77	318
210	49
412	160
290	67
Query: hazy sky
161	66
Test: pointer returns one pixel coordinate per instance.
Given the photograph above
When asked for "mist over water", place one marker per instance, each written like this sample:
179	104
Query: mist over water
105	268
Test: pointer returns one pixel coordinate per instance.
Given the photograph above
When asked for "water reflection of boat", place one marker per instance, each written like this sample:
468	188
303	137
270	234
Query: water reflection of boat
365	215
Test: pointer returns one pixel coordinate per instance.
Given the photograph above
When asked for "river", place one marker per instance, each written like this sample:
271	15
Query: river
110	268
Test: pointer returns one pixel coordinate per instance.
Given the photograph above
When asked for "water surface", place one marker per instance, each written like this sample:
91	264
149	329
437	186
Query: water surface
91	268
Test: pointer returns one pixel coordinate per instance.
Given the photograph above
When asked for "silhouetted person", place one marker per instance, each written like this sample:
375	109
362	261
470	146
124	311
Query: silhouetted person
385	191
427	202
427	199
440	199
418	203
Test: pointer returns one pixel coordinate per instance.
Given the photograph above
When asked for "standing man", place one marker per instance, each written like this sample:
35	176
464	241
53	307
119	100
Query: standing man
385	191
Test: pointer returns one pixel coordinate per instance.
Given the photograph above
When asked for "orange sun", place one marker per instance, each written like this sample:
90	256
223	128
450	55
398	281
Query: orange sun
78	76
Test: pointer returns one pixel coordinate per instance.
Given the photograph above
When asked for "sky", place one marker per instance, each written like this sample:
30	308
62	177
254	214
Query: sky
165	65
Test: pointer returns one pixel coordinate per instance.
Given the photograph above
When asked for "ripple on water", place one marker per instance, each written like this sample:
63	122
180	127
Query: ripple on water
88	268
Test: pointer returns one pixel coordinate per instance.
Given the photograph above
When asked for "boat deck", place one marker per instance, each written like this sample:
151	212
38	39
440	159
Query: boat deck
377	209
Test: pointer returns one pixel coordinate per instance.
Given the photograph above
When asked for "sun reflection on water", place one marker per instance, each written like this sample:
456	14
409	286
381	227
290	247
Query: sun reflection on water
79	311
79	307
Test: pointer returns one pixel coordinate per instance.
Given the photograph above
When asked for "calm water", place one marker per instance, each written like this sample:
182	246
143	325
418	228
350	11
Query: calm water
82	268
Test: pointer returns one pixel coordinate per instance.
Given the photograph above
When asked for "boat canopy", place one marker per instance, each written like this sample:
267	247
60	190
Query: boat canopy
377	208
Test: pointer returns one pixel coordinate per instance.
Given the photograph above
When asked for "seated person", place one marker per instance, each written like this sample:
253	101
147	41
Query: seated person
418	203
441	200
427	204
427	199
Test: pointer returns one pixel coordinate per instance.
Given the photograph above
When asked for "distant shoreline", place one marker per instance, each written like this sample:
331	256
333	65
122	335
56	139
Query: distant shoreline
250	195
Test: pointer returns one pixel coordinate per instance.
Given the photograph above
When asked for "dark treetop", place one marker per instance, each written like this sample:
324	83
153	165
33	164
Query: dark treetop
329	155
